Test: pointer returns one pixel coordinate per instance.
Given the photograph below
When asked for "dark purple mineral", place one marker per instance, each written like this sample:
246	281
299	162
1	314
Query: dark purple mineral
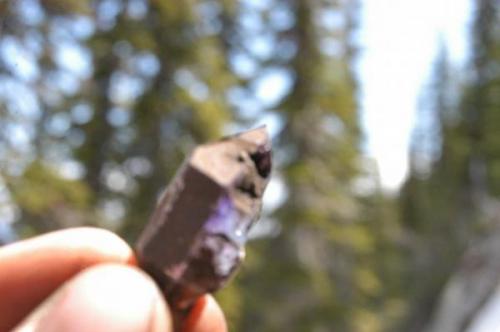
195	238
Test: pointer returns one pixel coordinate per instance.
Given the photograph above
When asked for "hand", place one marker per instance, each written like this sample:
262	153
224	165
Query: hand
84	280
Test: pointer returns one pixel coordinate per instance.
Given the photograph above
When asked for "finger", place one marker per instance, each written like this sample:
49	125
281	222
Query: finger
106	297
31	270
206	316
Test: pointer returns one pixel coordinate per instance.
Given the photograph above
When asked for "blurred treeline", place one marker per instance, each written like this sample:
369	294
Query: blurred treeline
100	100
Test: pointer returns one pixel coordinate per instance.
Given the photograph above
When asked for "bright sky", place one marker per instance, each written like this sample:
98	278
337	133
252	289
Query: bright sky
399	40
488	319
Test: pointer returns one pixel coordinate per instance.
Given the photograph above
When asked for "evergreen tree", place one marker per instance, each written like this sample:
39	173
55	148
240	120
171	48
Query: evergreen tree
318	273
448	208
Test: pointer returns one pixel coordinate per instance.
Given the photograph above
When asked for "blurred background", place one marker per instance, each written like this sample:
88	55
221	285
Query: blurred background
383	213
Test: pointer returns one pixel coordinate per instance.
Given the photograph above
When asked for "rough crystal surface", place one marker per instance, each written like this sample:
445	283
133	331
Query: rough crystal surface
195	239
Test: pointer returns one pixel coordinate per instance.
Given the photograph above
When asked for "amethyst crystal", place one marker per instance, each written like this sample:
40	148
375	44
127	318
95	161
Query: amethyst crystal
195	238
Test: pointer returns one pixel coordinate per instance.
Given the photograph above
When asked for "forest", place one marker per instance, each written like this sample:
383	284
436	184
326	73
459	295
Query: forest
101	100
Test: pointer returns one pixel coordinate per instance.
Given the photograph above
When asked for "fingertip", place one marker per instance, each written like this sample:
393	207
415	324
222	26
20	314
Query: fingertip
88	241
107	297
49	260
206	316
96	243
161	320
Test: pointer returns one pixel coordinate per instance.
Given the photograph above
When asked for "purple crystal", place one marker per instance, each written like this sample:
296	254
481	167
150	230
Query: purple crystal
228	221
195	239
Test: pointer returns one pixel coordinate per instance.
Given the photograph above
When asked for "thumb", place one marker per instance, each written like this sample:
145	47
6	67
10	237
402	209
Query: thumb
108	297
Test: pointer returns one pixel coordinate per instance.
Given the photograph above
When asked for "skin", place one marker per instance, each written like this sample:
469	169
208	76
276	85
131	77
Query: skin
85	279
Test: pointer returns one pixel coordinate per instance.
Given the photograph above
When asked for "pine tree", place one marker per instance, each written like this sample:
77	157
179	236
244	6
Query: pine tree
449	209
317	273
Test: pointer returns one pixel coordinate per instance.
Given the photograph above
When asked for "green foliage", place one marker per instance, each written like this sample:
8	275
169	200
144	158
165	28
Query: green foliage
49	201
445	202
40	189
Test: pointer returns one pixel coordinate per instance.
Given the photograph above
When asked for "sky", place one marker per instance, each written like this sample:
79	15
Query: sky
488	319
399	40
